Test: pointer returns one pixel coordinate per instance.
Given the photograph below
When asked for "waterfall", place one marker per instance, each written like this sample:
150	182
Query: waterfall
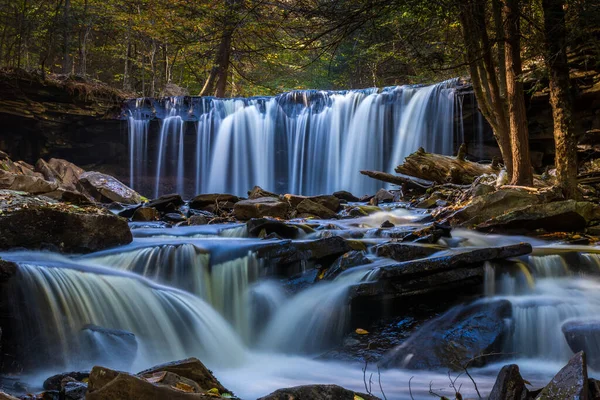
224	285
316	318
56	298
305	142
544	295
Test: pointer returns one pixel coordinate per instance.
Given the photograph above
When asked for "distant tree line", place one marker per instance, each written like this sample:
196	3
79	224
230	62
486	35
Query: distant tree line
248	47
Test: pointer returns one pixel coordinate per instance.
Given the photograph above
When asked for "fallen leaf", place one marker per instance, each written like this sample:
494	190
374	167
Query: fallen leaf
183	387
361	331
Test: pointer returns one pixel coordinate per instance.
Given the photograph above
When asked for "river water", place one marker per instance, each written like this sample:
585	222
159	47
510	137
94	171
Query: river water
204	292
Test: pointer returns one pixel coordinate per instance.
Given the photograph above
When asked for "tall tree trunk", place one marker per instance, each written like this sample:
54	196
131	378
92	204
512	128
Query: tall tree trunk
484	77
127	67
67	62
219	72
519	133
560	97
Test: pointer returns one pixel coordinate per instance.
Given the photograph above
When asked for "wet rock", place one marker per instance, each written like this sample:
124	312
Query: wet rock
492	205
308	206
145	214
387	224
198	220
428	235
75	390
330	202
558	216
43	223
301	281
110	347
6	396
349	260
481	189
384	196
584	335
261	207
509	385
7	270
55	381
106	384
68	196
123	210
449	260
106	189
257	192
571	382
166	203
174	217
193	369
316	392
257	226
345	195
215	200
454	339
403	251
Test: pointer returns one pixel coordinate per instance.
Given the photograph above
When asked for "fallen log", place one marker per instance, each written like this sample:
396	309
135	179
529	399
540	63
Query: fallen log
403	180
443	169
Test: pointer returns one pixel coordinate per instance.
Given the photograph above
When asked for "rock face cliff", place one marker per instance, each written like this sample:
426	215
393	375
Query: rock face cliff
61	118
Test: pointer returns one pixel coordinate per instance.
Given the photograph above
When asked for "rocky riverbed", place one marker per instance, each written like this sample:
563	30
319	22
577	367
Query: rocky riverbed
392	280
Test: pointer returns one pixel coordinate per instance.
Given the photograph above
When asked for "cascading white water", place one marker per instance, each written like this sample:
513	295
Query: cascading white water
316	318
223	285
308	142
62	298
544	295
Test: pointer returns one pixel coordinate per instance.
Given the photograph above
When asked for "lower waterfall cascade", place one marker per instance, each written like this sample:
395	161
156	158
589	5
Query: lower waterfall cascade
285	143
183	292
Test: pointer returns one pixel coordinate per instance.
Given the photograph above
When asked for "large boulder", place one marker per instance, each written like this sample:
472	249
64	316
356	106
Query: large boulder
166	203
454	339
106	384
261	207
26	183
35	222
584	335
345	195
483	208
558	216
403	251
328	201
212	202
317	392
445	273
113	348
571	382
258	227
310	207
509	385
257	192
67	173
347	261
106	189
190	368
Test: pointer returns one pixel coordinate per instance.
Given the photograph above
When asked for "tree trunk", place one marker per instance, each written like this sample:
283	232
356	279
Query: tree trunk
219	72
519	133
484	77
560	97
67	62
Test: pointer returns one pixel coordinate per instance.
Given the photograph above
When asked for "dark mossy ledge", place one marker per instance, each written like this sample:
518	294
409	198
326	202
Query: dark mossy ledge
61	117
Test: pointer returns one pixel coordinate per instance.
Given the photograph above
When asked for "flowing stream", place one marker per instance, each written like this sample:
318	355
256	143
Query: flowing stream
203	291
